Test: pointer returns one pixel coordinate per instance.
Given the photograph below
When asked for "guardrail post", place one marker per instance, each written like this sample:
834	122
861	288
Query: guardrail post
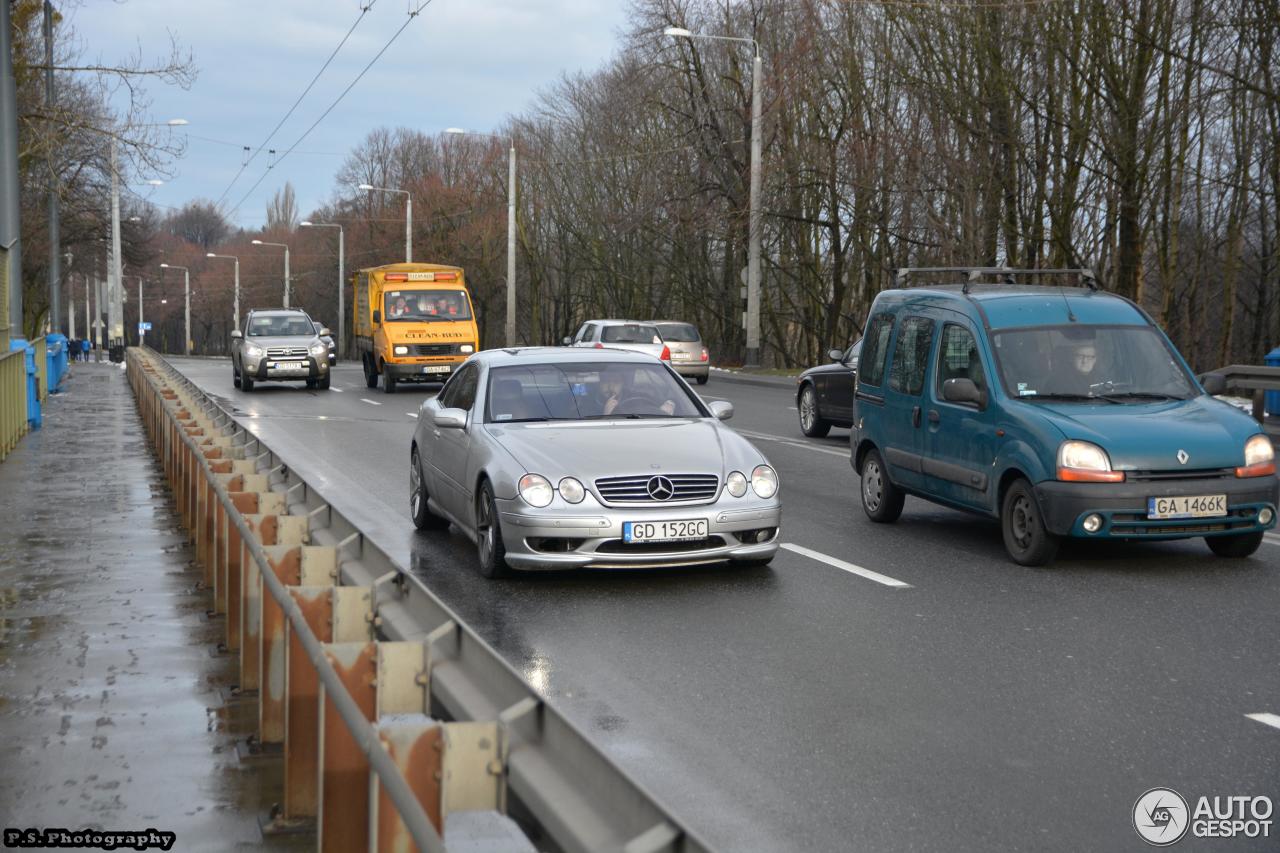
285	563
343	822
416	744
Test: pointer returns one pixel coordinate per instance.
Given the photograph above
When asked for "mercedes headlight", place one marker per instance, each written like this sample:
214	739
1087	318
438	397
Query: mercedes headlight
571	490
536	490
400	350
253	351
466	348
736	484
764	481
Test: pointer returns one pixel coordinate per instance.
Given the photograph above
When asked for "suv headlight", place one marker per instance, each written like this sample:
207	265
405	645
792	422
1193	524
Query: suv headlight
400	350
536	490
764	481
319	348
572	490
253	350
1259	458
1082	462
736	484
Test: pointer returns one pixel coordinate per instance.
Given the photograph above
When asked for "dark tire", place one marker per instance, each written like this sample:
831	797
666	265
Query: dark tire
246	382
492	553
235	376
1240	545
702	380
881	500
423	518
811	424
311	384
370	375
388	381
325	382
1026	538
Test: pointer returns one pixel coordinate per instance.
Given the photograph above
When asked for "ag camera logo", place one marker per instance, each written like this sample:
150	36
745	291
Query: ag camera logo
1160	817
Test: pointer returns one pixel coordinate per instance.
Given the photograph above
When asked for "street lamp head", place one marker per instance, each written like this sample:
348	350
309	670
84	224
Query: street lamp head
164	301
164	266
155	183
454	130
210	255
177	122
135	218
257	242
306	223
677	32
365	187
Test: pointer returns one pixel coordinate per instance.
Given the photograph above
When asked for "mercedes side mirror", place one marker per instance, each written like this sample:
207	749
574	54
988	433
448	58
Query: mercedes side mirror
567	341
236	335
377	316
721	410
450	418
835	355
962	391
1214	383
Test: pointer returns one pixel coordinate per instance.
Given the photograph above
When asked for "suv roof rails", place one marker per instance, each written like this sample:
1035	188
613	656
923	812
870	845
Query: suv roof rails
973	275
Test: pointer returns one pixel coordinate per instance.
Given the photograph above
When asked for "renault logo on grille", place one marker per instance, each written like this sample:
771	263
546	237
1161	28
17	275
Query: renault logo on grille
660	489
1183	457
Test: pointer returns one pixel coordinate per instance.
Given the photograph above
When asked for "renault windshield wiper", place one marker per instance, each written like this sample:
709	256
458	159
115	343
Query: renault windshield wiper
1141	395
1073	398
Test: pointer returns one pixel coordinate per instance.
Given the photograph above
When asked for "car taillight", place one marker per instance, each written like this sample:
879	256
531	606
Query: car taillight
704	353
666	353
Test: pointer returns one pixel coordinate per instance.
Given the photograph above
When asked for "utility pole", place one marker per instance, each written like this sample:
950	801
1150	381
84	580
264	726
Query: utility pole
115	284
753	226
55	258
71	314
88	329
10	211
511	247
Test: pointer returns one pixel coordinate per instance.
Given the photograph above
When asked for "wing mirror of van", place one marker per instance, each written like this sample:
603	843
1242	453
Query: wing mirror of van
835	354
567	341
963	391
377	316
236	334
1214	383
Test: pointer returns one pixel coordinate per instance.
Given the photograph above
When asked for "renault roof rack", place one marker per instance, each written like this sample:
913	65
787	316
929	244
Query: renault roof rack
974	275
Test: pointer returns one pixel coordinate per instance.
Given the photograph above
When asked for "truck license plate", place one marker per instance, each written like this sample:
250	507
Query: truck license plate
664	531
1188	506
435	368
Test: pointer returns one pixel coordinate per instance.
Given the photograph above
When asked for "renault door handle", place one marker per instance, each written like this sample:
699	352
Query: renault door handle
915	417
934	417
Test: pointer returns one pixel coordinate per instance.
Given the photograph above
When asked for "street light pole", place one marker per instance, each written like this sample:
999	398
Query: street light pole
286	266
754	228
10	209
408	217
55	257
236	300
511	233
186	288
115	286
342	308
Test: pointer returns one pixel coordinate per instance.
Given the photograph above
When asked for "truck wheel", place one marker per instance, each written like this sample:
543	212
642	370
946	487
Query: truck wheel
370	375
1026	538
388	381
1240	545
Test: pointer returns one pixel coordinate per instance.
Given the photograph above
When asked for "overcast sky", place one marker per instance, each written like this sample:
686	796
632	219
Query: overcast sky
461	63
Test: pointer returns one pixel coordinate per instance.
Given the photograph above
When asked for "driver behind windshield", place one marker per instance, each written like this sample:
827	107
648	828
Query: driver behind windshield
616	387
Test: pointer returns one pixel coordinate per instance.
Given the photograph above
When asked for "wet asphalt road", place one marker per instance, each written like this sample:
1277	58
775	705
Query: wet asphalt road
803	706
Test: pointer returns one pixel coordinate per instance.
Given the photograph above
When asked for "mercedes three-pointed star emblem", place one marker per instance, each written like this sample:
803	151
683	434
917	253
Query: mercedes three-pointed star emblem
661	489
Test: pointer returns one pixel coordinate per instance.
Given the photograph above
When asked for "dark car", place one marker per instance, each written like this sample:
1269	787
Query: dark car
328	340
824	395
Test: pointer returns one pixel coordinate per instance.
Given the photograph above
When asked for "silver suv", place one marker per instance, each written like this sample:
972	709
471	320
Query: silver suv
279	345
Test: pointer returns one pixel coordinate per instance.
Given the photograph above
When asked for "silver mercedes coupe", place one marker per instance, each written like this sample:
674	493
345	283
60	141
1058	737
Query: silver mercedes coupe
551	458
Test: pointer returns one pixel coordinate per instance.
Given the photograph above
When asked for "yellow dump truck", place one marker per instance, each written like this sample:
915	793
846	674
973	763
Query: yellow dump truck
412	323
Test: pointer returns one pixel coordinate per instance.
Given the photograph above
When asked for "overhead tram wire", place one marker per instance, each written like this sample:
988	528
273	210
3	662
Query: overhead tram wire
413	14
364	10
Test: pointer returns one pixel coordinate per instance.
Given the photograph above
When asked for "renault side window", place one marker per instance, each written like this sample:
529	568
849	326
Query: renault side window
911	356
875	349
958	358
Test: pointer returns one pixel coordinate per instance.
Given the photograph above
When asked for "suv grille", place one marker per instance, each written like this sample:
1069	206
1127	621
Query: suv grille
286	352
433	349
642	488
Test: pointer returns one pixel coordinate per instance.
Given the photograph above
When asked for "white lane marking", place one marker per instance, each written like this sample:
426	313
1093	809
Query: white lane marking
710	397
848	567
332	388
370	402
781	439
1271	539
412	414
1266	719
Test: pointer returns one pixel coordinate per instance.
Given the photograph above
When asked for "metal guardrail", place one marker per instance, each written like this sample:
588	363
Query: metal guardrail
1252	378
379	646
13	399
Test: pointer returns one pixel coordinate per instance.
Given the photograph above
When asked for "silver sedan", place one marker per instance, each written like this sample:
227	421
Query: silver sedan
569	458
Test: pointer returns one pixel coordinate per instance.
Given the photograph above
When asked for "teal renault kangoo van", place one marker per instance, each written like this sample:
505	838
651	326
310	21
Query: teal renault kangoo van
1059	409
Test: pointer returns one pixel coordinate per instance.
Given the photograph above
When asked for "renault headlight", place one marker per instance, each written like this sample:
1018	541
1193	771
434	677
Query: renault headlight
253	351
536	490
1082	462
466	348
319	348
764	481
571	490
1259	458
400	350
736	484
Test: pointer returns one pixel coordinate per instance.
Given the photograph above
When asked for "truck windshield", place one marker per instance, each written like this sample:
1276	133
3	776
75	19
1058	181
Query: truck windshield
1105	363
588	391
420	305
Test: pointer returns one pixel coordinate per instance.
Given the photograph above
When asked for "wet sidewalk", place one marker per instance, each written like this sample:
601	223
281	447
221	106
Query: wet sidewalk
110	713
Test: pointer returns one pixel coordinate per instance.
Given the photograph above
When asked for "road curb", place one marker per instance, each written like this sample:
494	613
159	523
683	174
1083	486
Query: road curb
761	381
